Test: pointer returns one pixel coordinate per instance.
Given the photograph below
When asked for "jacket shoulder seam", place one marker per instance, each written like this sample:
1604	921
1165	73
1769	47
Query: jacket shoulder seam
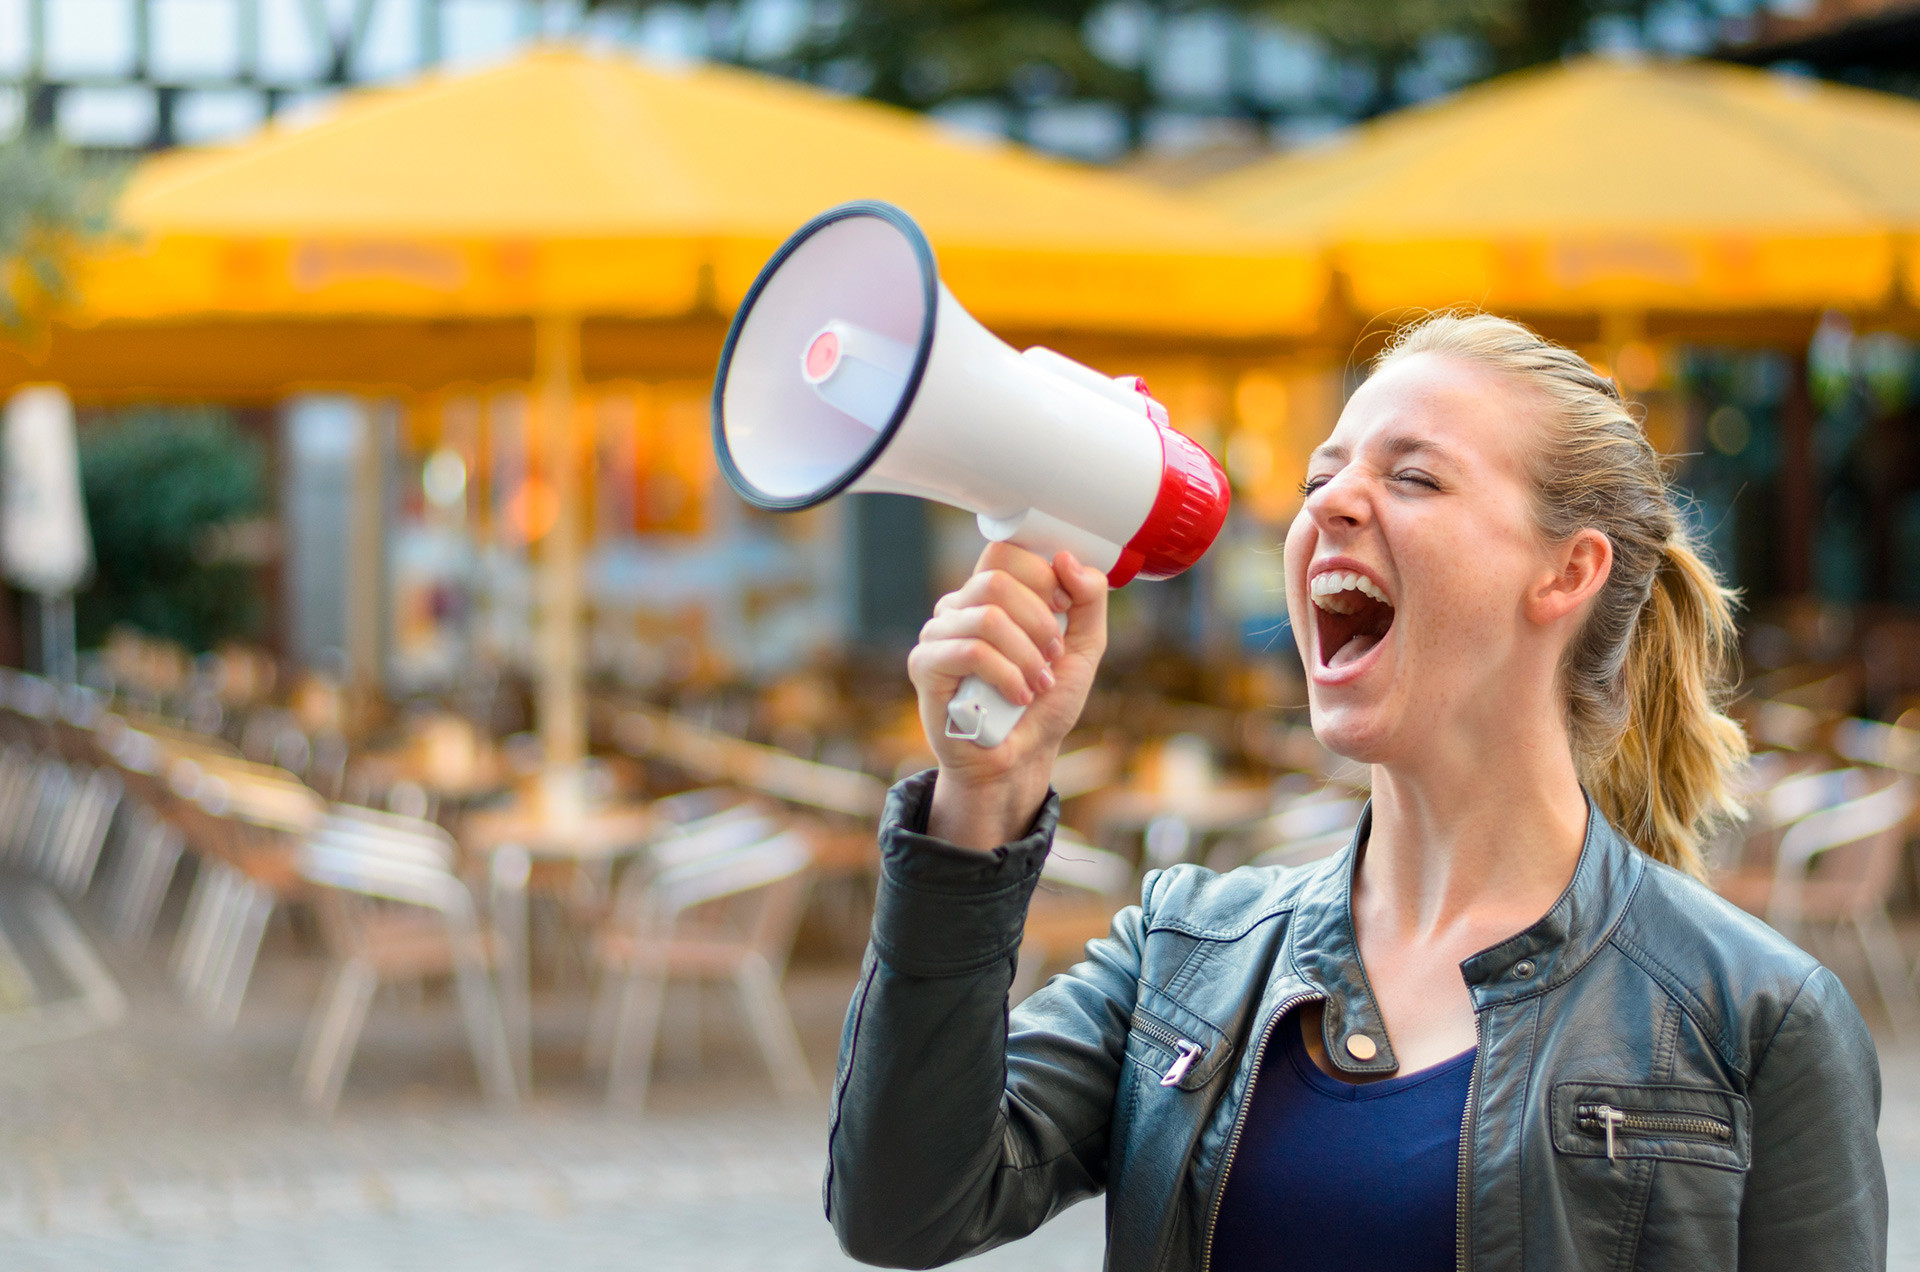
1793	1002
1675	988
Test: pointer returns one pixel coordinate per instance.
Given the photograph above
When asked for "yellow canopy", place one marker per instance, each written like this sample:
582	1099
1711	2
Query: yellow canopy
1608	186
599	187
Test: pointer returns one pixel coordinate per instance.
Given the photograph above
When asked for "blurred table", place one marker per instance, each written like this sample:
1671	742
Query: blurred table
513	838
1134	810
444	756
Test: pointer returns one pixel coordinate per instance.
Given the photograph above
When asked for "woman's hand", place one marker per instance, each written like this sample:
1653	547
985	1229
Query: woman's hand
1001	626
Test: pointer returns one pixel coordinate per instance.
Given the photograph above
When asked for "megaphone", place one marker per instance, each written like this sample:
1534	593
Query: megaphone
850	366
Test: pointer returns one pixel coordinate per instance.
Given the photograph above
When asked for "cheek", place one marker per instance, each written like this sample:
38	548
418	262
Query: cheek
1297	553
1469	593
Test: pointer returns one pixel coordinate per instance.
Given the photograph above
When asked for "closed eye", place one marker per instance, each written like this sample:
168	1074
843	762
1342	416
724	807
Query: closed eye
1312	484
1417	478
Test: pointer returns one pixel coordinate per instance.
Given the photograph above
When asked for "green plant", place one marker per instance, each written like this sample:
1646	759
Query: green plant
53	202
160	483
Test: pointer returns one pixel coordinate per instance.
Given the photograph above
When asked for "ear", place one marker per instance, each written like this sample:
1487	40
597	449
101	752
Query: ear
1581	567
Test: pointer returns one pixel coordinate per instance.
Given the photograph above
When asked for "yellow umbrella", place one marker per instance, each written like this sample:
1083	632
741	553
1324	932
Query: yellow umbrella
1611	186
593	186
569	217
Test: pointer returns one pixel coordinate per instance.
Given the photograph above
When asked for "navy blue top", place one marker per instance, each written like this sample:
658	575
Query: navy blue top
1335	1176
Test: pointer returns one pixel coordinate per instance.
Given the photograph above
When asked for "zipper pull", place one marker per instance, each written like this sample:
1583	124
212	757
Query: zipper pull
1610	1118
1182	1063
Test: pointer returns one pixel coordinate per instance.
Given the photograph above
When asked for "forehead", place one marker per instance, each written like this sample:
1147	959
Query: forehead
1470	413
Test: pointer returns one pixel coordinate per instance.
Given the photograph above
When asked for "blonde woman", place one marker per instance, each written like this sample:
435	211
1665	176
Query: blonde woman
1507	1028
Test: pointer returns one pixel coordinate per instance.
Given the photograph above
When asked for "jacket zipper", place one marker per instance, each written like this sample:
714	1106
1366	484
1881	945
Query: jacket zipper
1605	1119
1462	1208
1185	1050
1240	1120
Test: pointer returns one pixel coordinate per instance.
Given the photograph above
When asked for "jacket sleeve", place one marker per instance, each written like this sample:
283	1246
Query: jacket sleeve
1816	1194
956	1127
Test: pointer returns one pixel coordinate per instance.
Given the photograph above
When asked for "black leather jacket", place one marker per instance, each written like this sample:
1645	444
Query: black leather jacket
1742	1084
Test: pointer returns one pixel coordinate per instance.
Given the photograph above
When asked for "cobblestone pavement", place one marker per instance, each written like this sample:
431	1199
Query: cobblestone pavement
162	1145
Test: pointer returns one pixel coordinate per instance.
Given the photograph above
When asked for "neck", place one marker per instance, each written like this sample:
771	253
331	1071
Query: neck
1475	837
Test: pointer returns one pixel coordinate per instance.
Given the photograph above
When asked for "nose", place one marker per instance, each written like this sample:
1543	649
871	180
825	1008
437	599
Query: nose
1341	503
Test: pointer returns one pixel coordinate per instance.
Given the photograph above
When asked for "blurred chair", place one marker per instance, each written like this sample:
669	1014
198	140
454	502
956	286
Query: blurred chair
720	910
1786	725
1871	742
392	910
1738	841
150	853
244	823
1838	865
328	753
1081	888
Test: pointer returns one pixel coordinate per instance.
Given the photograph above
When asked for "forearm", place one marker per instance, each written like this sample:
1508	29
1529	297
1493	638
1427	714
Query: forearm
919	1117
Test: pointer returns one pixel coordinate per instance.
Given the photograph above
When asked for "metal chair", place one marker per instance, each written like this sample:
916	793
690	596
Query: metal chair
728	914
392	910
1838	865
1871	742
244	823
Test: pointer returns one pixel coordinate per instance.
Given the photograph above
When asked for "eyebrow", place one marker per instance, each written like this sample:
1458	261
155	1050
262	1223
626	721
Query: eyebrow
1397	446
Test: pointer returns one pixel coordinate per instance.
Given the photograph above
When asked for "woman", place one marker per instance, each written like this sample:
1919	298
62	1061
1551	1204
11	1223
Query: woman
1506	1028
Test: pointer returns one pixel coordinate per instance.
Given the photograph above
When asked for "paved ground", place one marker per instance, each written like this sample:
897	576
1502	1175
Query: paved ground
159	1145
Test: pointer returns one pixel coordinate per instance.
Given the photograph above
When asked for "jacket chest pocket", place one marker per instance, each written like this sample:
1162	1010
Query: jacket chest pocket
1622	1123
1178	1049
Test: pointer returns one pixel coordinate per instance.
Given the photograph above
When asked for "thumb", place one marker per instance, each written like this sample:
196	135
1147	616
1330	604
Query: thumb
1086	589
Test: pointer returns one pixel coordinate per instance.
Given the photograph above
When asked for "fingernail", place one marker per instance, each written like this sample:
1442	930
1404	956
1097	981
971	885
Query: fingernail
1046	678
1055	648
1026	696
1061	601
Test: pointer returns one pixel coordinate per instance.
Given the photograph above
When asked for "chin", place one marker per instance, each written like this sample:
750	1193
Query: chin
1352	733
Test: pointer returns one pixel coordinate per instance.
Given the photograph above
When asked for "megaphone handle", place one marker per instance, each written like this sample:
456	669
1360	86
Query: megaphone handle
978	714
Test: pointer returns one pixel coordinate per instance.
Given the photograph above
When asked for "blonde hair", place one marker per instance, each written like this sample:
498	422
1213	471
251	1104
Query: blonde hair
1648	674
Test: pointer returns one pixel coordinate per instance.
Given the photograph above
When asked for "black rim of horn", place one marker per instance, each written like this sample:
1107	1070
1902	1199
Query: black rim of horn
929	282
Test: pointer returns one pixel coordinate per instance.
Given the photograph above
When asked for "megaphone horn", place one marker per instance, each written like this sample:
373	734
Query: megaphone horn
850	366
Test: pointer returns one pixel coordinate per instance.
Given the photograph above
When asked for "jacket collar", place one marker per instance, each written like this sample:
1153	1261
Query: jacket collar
1323	951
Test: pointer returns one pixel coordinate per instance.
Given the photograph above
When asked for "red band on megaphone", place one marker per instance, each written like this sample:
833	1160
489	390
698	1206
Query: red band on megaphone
1186	517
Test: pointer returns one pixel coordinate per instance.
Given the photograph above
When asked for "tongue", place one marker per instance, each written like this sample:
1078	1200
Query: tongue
1355	649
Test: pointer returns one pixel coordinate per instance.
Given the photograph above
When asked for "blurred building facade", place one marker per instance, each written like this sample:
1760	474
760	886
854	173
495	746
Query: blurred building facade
1105	77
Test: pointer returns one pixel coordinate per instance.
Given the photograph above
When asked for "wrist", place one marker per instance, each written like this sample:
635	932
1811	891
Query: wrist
982	816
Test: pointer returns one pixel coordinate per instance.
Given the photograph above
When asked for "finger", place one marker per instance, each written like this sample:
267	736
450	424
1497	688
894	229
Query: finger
1030	568
1087	589
991	624
1022	604
934	664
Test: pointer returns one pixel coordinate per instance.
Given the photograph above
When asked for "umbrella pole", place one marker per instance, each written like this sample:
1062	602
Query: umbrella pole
561	700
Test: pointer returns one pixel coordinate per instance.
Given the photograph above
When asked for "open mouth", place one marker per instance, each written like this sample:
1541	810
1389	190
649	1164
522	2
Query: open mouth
1351	613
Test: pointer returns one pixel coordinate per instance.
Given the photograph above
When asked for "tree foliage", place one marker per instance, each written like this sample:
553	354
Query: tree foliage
156	482
923	53
53	201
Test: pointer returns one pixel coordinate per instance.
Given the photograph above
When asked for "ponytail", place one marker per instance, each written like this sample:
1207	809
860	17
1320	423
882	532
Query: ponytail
1667	775
1647	676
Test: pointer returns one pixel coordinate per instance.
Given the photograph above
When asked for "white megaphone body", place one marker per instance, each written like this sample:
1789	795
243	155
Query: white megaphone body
850	367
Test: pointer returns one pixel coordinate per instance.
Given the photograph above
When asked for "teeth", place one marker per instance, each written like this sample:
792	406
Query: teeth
1327	590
